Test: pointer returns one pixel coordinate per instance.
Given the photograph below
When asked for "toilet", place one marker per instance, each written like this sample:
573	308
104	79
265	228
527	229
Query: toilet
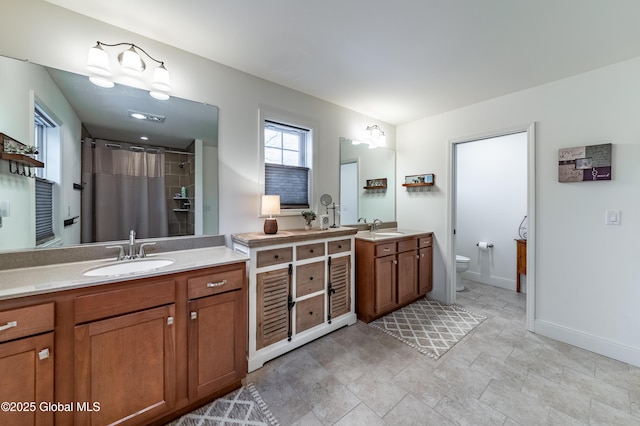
462	264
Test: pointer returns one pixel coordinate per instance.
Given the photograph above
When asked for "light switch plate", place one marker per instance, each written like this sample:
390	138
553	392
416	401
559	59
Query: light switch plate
612	217
5	210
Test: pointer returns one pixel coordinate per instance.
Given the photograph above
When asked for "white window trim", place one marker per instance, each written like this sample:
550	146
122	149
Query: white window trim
266	113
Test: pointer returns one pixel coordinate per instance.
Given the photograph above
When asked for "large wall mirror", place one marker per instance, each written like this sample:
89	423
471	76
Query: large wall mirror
367	183
180	146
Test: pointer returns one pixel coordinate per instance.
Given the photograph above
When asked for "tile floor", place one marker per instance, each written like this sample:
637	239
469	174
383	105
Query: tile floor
499	374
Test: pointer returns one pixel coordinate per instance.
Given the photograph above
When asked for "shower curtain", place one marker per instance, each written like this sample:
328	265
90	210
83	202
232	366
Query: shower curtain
124	190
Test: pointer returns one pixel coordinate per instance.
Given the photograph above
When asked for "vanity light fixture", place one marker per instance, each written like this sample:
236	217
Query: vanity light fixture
131	63
270	206
374	136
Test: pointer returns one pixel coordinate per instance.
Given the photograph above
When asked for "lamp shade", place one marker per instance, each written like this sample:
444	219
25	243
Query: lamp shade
131	62
98	61
161	80
270	204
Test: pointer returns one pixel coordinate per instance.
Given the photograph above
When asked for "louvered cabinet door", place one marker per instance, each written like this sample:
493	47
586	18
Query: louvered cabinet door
273	317
339	286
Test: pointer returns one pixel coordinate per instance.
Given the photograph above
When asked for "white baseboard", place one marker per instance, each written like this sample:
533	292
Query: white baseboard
494	281
591	343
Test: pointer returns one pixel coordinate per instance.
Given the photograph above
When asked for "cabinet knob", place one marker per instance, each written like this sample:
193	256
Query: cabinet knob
310	278
169	320
194	315
395	262
43	354
417	256
311	251
421	254
275	257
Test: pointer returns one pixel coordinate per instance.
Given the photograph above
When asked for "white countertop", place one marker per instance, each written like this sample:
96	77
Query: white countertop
65	276
389	233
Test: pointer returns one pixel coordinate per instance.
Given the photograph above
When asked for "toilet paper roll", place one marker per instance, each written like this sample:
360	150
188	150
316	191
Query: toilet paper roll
483	245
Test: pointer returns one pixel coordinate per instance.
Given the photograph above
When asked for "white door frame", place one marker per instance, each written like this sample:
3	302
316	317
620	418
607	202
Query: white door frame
531	222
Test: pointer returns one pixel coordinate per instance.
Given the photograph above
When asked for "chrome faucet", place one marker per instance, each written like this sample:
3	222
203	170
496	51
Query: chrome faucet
374	225
132	248
132	244
363	219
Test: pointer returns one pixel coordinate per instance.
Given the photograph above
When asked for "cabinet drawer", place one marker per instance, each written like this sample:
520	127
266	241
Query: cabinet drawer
309	278
274	257
309	313
123	301
214	283
425	241
27	321
339	246
406	245
385	249
309	250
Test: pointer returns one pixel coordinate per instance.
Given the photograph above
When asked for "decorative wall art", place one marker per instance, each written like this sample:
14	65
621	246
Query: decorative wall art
584	163
420	180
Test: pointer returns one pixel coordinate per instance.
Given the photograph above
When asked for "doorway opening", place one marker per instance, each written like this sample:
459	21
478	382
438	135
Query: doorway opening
492	198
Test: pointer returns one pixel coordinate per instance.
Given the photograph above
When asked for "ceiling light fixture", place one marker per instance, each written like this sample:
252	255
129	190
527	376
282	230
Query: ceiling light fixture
131	63
146	116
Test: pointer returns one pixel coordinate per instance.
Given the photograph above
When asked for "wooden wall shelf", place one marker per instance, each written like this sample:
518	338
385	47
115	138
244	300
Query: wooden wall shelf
380	183
21	159
416	184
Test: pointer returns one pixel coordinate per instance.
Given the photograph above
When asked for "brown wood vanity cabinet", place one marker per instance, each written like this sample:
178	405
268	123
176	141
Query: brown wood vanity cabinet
135	352
391	273
26	364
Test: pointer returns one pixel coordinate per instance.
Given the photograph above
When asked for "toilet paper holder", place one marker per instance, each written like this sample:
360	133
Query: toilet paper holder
489	245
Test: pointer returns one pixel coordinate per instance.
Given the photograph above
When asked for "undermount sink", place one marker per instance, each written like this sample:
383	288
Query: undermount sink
130	267
388	234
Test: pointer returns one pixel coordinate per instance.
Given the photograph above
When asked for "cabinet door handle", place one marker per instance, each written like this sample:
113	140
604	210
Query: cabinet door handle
194	315
169	320
43	354
218	284
395	262
387	249
9	325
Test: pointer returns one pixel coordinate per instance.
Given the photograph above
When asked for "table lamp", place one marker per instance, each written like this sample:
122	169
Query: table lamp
270	206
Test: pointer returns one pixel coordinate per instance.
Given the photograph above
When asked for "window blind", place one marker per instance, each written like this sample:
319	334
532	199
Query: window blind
44	211
290	183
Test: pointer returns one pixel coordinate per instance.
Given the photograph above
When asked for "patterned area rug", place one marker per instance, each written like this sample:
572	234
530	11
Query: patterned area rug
241	407
429	326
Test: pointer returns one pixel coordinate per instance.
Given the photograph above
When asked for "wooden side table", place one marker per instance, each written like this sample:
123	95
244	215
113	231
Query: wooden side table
521	261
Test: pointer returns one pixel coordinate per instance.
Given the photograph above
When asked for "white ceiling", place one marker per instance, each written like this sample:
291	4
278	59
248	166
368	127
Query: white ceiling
394	60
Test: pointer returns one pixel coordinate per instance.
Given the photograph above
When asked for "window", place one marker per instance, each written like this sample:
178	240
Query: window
287	159
44	188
